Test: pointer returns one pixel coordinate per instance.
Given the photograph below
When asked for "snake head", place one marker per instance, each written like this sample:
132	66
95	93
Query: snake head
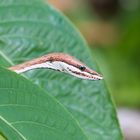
70	65
80	71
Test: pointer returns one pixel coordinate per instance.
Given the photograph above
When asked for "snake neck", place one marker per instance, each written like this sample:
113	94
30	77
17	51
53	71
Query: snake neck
30	65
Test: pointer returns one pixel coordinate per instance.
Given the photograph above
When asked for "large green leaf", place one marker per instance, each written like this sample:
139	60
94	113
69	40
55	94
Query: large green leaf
30	28
28	113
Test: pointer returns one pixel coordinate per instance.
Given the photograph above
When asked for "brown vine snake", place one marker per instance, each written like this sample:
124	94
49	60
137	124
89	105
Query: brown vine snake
59	62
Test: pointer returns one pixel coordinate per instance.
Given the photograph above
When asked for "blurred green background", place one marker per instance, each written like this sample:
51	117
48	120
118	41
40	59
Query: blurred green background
112	29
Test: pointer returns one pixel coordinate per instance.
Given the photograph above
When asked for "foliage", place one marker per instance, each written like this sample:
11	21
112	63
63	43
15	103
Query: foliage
29	29
27	112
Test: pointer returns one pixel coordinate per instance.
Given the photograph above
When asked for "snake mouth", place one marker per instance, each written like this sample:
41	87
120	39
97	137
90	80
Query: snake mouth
86	75
97	77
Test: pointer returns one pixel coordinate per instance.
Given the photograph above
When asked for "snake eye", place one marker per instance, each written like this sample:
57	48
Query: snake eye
82	68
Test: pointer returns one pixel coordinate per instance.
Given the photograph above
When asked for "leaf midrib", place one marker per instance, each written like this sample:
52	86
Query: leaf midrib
13	128
6	58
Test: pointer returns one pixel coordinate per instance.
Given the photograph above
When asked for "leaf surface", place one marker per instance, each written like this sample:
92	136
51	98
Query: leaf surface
28	113
29	29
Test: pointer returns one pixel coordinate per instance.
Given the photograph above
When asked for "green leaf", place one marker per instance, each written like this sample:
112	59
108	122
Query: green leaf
28	113
29	29
2	138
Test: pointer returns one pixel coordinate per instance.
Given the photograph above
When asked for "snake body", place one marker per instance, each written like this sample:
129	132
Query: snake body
59	62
